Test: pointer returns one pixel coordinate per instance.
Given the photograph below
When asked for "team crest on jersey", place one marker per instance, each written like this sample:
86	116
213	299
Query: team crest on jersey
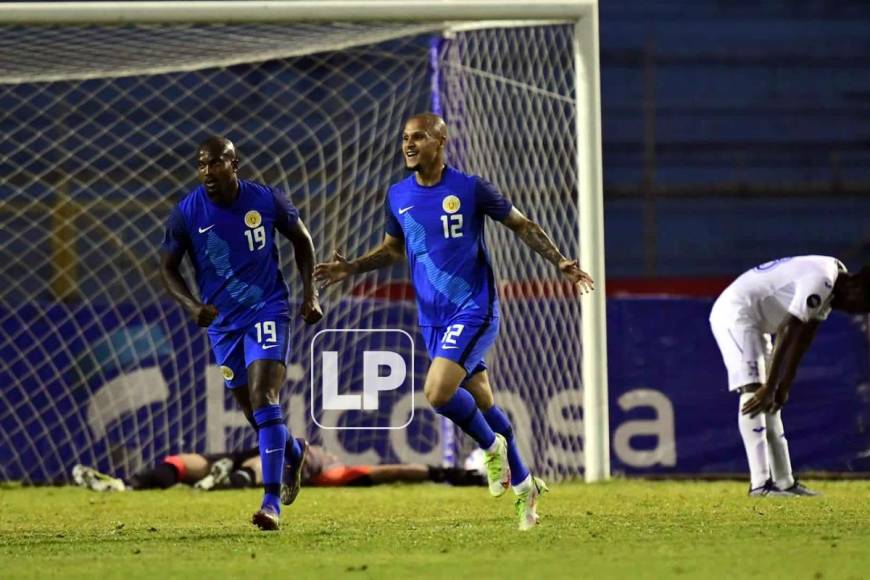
450	204
253	219
228	373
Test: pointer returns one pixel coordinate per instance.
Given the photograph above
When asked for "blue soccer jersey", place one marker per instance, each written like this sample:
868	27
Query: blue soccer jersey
233	251
443	226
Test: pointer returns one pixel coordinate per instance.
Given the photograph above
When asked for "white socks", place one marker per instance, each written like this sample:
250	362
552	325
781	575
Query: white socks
766	447
777	447
752	430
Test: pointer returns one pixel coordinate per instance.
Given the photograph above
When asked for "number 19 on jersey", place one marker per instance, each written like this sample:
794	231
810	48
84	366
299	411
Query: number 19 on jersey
256	238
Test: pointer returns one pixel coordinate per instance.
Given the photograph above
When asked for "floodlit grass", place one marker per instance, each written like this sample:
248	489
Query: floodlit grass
622	529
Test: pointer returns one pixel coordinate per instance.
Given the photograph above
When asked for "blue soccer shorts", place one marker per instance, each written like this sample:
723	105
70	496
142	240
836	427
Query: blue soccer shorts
267	337
465	343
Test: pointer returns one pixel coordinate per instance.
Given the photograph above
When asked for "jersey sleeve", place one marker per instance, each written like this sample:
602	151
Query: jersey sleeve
391	224
286	214
175	238
490	201
812	298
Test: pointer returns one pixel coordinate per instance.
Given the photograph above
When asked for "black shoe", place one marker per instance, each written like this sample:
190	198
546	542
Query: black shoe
266	520
769	489
799	489
291	482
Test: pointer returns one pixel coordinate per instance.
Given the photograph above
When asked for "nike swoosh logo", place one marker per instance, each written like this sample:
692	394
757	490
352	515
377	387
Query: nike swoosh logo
758	429
203	230
268	346
404	209
272	450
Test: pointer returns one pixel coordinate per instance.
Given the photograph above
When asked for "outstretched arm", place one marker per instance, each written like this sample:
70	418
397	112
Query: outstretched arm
537	239
170	275
792	342
391	251
303	252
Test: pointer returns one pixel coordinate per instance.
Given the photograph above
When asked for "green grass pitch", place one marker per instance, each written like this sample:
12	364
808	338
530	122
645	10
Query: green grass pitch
621	529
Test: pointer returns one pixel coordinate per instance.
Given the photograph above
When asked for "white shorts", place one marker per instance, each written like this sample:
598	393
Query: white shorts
745	352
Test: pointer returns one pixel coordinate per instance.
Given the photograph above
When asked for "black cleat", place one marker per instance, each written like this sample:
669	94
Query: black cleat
291	482
799	489
769	489
266	520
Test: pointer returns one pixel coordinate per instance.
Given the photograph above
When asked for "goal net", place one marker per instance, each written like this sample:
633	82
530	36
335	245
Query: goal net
100	127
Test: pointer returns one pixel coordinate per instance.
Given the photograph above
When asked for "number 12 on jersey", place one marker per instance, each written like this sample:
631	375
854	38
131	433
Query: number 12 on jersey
452	225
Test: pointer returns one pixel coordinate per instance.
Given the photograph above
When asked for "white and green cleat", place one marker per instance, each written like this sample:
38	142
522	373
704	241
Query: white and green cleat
498	471
95	481
527	504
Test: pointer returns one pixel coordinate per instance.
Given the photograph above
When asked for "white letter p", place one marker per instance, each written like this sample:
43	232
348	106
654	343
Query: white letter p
373	382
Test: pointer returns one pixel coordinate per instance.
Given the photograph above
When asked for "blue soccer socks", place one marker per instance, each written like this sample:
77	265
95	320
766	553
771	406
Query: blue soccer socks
500	423
462	410
273	437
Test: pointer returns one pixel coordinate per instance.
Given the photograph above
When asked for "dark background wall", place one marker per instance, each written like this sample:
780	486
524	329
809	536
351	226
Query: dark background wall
734	132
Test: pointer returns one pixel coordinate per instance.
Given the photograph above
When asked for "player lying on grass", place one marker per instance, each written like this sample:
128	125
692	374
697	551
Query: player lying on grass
786	299
243	469
228	228
435	219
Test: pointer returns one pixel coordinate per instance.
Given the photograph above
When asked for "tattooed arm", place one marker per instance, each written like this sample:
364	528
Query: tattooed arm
391	251
537	239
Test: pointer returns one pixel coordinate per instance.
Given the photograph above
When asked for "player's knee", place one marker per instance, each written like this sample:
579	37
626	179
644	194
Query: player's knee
434	398
265	378
262	397
437	395
484	400
774	431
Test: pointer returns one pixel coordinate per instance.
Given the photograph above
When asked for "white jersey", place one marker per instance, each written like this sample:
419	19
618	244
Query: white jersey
766	295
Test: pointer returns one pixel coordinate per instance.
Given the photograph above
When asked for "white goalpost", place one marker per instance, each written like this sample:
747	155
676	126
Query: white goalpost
103	104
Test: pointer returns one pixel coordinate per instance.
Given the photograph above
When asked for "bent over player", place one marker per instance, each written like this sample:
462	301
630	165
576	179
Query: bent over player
435	218
227	226
787	298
